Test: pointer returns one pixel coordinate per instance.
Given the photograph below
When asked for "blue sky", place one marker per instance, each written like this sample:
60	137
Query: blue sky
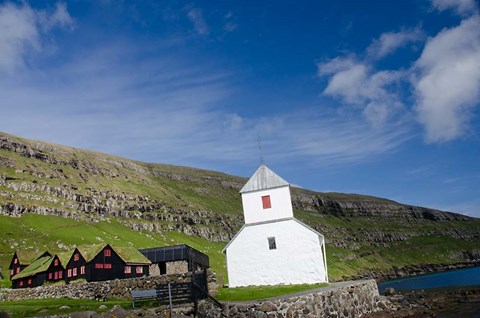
371	97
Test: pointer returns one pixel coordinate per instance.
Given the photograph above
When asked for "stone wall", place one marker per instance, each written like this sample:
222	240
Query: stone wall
346	299
118	288
177	267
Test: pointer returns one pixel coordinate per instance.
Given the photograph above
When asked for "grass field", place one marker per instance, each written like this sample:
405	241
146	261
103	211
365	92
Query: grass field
49	307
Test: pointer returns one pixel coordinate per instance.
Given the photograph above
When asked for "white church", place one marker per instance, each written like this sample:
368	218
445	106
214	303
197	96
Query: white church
273	247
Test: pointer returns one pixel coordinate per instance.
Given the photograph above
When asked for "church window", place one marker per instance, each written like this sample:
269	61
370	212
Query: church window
266	202
271	243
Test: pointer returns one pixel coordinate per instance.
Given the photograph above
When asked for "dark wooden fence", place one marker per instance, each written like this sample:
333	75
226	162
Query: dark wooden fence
177	293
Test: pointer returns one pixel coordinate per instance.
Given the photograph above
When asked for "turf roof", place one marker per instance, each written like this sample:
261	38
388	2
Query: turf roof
64	257
131	255
40	265
28	257
90	251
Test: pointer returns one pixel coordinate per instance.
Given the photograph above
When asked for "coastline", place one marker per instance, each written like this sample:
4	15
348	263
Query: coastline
442	302
413	270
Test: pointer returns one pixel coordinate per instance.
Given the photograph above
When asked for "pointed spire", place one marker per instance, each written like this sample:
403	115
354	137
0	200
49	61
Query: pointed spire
263	178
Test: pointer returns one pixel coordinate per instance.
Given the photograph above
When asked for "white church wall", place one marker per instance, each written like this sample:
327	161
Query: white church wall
280	201
251	262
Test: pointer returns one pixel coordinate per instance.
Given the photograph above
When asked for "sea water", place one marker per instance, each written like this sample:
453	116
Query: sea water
455	278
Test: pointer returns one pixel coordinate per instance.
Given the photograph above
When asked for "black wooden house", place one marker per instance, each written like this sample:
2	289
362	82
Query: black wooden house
44	269
21	260
104	262
75	265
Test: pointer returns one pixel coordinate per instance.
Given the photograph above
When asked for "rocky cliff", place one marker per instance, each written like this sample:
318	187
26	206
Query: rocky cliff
42	178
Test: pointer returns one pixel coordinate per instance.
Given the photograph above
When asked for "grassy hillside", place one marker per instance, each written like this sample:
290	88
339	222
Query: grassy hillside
52	197
37	233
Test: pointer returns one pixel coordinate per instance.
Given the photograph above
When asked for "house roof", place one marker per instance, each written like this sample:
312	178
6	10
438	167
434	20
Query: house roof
27	257
263	178
176	253
64	257
131	255
38	266
90	251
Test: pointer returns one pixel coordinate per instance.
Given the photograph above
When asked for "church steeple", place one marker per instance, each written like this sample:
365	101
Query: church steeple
266	197
262	179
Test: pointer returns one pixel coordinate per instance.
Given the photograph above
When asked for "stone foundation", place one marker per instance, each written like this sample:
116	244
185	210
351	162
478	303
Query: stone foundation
346	299
118	288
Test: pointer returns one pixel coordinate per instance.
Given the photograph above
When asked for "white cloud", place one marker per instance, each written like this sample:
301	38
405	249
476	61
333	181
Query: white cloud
356	83
179	114
448	81
462	7
196	16
388	42
21	28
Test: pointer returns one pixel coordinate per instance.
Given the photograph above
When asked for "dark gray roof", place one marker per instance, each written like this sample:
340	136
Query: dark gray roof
263	178
176	253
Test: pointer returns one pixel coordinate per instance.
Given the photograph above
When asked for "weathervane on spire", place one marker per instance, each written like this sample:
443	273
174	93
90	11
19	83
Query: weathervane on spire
260	149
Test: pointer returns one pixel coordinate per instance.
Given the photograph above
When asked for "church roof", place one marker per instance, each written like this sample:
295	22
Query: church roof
263	178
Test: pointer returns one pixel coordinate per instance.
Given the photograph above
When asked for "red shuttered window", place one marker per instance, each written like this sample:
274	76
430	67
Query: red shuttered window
18	270
74	272
29	282
11	272
82	270
108	266
55	262
15	261
60	274
128	270
266	202
108	252
76	257
98	265
21	283
69	272
139	270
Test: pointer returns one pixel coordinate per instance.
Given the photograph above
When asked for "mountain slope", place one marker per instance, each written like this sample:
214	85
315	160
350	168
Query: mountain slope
363	233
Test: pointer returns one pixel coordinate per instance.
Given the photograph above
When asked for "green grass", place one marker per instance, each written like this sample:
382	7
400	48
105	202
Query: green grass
37	233
48	307
261	292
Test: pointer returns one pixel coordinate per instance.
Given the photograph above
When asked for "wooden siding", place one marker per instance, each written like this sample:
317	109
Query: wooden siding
104	267
73	269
